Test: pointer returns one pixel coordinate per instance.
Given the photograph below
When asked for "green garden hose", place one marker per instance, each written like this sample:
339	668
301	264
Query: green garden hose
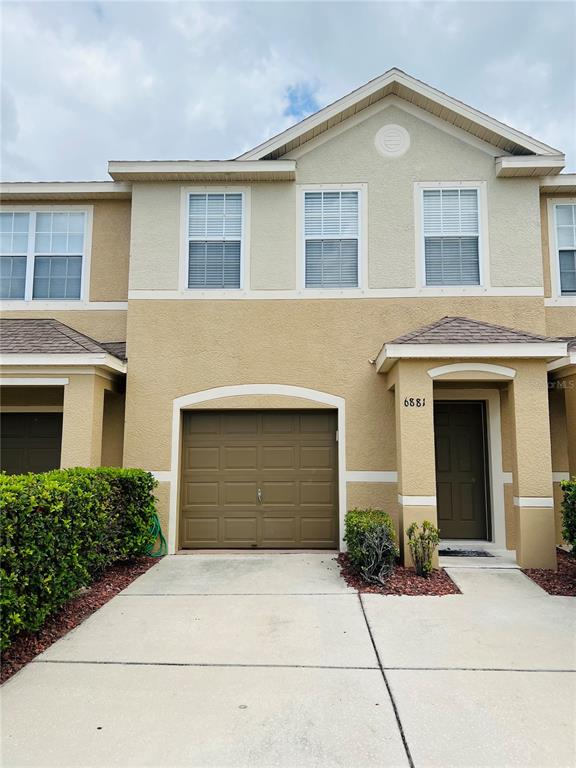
158	548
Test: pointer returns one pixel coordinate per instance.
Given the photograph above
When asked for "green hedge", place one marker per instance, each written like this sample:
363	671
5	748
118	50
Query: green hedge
569	513
60	530
371	542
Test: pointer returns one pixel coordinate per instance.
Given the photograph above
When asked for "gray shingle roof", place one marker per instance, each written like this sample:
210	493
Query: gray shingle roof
463	330
50	337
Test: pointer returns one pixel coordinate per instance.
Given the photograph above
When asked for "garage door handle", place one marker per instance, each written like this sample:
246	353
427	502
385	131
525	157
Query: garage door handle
259	495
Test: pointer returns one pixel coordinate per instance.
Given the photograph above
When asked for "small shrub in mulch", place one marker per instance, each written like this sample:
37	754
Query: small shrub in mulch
27	645
402	581
560	582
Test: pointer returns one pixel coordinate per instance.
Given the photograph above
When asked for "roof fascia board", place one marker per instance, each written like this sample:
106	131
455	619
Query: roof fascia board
396	76
528	163
392	352
86	189
103	360
191	167
405	106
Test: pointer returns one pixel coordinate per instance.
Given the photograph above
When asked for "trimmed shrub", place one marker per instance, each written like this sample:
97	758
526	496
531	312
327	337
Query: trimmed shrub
60	530
371	542
422	541
569	514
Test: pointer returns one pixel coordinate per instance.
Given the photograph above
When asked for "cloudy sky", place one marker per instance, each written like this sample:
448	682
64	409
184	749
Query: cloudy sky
85	82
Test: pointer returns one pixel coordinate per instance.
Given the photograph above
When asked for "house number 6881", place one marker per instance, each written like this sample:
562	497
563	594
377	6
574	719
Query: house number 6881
414	402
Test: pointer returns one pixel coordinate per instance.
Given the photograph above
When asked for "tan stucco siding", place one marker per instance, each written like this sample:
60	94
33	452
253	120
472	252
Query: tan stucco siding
558	426
322	345
376	495
275	242
561	321
155	236
110	251
273	237
434	155
113	430
101	325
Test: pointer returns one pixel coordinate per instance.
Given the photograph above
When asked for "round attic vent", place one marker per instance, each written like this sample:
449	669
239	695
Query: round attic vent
392	140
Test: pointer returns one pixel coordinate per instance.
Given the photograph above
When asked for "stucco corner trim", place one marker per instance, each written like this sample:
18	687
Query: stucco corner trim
499	370
541	502
417	501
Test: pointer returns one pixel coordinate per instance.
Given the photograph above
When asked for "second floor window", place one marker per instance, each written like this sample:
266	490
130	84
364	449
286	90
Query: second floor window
566	242
451	236
41	254
331	232
215	225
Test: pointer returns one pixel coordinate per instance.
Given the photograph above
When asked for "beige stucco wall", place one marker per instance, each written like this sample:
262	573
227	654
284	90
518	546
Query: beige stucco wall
351	157
110	250
113	430
323	345
102	325
376	495
433	156
558	426
155	236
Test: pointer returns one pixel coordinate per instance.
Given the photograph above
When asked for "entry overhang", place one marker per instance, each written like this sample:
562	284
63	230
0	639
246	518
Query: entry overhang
390	353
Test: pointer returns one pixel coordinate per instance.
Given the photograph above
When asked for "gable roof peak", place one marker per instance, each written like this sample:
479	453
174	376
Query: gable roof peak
396	82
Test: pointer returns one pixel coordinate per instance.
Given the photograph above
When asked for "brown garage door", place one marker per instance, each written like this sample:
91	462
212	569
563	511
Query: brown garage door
30	442
259	479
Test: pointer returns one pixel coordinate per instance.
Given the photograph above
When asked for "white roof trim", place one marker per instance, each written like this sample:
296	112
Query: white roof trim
50	188
528	165
141	167
389	77
104	360
563	362
392	352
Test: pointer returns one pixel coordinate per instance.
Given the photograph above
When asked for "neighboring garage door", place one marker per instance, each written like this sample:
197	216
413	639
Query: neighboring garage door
259	479
30	442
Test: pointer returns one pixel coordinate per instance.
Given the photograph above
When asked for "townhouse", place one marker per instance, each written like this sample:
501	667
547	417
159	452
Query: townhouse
375	307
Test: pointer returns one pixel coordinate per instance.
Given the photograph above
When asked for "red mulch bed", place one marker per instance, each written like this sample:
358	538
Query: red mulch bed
560	582
403	581
29	644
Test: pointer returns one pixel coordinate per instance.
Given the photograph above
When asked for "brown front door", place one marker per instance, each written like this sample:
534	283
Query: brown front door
30	442
461	470
259	479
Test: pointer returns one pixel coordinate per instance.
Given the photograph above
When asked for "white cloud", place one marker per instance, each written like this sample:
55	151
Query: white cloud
89	82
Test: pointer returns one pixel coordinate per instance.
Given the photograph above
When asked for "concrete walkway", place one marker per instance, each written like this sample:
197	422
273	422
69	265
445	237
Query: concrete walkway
271	660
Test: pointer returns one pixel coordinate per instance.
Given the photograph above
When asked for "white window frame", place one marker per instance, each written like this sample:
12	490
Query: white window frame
483	250
28	302
557	299
362	190
244	241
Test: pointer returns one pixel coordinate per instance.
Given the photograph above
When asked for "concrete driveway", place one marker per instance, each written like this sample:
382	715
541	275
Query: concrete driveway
270	660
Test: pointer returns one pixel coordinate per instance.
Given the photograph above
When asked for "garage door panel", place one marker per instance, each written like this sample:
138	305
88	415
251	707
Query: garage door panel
204	530
240	494
203	423
277	492
30	442
277	457
278	423
317	422
201	494
315	530
240	530
316	457
240	423
200	458
289	455
317	493
240	457
279	531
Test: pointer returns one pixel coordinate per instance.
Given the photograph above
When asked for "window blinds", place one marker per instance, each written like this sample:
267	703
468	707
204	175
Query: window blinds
331	239
214	240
